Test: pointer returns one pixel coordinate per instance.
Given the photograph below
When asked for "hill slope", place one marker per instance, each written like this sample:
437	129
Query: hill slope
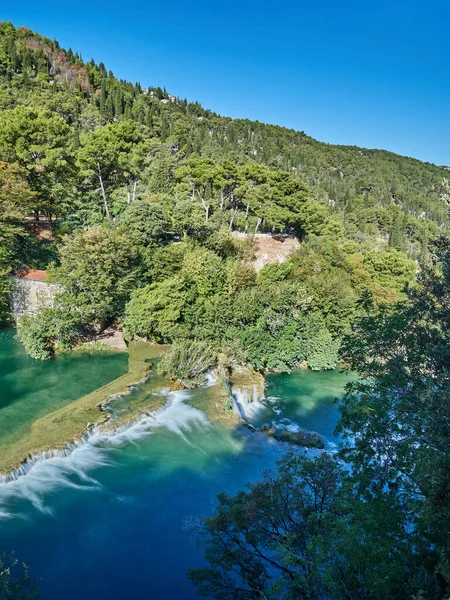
152	204
374	192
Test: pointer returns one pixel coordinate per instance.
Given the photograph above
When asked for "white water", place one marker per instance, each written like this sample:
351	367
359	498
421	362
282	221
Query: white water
45	473
247	403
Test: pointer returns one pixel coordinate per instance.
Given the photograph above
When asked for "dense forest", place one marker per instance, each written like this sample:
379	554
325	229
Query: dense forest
131	198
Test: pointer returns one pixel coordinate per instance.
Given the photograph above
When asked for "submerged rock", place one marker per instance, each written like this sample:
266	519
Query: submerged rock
301	437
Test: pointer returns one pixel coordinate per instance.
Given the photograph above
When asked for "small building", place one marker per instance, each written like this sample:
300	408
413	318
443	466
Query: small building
31	291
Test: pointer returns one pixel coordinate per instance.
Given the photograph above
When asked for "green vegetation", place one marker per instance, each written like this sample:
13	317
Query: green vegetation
187	363
143	192
16	583
380	530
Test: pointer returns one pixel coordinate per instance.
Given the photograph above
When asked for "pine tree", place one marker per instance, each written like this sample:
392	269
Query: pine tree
118	104
103	97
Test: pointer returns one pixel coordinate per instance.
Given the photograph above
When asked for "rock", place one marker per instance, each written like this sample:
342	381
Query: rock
303	437
113	338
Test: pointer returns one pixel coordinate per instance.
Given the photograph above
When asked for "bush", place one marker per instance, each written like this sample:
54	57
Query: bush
324	352
188	362
47	330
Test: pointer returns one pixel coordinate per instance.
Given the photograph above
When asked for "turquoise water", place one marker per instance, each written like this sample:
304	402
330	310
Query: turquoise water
30	389
108	522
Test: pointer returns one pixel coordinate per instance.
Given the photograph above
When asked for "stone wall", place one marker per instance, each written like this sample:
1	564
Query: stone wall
28	296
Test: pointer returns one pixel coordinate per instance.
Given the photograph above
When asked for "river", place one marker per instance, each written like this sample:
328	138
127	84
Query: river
107	522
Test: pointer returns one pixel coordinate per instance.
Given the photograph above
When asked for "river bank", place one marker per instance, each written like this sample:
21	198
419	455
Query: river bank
60	428
116	406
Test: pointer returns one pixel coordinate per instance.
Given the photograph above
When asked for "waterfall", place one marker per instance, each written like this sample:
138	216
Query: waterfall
247	402
45	472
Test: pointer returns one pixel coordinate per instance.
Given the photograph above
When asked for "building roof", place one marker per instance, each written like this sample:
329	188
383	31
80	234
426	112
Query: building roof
34	275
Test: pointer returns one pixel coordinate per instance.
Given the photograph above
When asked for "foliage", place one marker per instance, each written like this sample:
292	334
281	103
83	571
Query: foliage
39	141
98	271
303	533
154	311
379	529
151	190
16	585
47	330
188	362
324	351
398	411
111	155
15	200
145	222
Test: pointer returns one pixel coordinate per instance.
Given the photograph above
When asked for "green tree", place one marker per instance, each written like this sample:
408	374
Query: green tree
155	311
15	582
261	543
98	271
145	221
15	200
110	156
40	142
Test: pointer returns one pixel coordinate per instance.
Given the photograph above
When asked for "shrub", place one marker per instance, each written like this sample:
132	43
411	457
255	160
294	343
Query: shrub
188	362
47	330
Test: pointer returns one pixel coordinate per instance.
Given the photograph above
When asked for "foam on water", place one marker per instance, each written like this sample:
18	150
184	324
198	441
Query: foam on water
211	378
247	403
48	472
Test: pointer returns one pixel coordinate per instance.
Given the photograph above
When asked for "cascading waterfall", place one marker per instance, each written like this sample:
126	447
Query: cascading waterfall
48	471
247	402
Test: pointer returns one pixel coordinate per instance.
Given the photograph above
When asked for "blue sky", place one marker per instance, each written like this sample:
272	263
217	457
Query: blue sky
370	74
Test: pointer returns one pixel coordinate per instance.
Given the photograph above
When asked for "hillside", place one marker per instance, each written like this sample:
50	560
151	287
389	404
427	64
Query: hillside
372	191
145	196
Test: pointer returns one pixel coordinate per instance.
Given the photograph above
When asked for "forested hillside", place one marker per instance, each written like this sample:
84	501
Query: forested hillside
142	192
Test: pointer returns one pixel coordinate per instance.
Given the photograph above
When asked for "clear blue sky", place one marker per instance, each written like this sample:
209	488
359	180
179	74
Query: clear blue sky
373	74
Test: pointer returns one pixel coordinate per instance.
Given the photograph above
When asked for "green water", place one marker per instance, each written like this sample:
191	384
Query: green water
308	399
30	389
107	522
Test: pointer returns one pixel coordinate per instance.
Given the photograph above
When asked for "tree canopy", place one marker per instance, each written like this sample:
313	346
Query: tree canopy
318	529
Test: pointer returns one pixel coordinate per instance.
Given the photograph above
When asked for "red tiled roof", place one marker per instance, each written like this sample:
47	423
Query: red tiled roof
34	275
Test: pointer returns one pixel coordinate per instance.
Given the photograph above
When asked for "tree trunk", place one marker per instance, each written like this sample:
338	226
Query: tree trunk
206	208
134	190
258	223
234	213
102	187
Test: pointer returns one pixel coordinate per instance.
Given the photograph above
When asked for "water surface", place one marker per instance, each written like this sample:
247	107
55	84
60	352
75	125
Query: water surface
107	523
30	389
